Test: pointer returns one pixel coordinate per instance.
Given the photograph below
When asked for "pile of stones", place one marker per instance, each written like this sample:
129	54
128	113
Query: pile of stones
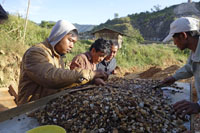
120	106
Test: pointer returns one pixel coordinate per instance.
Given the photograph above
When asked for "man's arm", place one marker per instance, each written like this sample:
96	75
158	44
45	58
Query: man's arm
77	63
38	68
184	72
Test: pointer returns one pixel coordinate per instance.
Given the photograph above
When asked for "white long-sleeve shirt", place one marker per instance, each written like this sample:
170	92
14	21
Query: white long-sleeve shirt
192	68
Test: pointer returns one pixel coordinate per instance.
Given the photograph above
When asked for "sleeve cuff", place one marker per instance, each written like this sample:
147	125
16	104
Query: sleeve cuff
198	102
175	77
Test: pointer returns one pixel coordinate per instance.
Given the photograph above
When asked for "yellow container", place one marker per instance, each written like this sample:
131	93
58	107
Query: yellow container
47	129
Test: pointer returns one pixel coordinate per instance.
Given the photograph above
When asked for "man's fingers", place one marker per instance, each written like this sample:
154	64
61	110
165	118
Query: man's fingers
164	83
177	104
105	76
103	83
181	105
182	108
99	81
188	111
168	81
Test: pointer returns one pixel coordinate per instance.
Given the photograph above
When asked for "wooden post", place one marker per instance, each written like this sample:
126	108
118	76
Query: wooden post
13	93
192	100
26	21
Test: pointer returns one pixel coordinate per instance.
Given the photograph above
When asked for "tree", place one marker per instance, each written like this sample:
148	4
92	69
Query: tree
47	24
129	31
116	15
44	24
156	8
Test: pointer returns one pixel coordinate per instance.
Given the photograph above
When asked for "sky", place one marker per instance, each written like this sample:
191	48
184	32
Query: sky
83	11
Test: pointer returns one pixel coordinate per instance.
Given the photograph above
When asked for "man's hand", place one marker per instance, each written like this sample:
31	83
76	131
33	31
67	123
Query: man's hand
99	81
185	107
114	72
168	81
101	74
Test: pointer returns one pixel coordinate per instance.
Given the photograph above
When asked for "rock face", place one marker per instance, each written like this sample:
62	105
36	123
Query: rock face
154	26
9	75
185	9
9	69
84	28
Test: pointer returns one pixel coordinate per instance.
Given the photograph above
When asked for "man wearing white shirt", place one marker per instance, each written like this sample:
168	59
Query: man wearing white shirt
185	34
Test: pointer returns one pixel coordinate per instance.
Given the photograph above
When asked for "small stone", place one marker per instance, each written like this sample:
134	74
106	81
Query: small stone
141	104
2	52
131	107
101	130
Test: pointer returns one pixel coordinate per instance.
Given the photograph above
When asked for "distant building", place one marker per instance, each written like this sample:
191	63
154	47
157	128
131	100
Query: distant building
189	1
109	34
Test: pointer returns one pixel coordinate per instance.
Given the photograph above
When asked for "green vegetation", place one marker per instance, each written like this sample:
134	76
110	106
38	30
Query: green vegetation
13	29
148	25
131	53
122	25
47	24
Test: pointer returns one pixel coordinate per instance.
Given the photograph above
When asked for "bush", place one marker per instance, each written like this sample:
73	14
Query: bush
131	53
14	29
134	54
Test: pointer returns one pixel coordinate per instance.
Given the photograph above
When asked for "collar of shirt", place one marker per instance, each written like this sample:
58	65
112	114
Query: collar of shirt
106	63
54	53
89	56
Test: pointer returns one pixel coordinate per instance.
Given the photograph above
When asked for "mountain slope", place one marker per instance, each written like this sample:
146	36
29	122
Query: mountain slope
84	28
154	25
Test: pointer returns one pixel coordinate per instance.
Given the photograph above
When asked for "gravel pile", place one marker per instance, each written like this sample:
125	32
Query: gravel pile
121	106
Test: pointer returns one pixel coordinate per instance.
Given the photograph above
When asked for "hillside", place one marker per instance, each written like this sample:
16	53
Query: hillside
131	54
84	28
154	25
81	27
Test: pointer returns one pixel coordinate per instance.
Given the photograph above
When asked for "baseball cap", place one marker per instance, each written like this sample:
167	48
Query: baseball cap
182	24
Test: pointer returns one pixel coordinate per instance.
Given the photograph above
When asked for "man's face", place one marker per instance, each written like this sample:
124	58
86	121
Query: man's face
97	57
180	42
66	44
113	52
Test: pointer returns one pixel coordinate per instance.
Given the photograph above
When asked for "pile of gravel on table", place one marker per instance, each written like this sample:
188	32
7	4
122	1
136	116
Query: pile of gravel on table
121	106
